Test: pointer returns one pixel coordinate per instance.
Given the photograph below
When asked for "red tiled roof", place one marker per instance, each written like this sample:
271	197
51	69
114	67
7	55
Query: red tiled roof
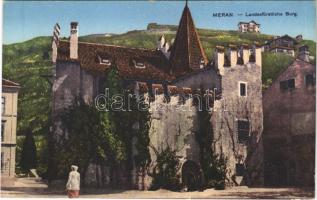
156	66
9	83
186	52
187	55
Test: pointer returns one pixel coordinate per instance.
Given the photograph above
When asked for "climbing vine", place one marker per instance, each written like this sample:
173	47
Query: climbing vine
104	138
90	138
214	166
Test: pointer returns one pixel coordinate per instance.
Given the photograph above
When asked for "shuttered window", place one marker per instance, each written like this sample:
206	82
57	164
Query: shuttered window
243	131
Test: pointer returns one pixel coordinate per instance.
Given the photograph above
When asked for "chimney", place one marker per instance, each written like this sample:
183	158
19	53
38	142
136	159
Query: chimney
303	53
166	51
245	53
233	55
73	40
161	42
220	59
55	41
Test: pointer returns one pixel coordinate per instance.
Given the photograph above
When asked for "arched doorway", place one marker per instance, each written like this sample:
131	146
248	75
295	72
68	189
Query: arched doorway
191	176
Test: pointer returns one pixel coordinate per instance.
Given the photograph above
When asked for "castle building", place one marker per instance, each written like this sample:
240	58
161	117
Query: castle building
232	79
289	107
9	104
252	27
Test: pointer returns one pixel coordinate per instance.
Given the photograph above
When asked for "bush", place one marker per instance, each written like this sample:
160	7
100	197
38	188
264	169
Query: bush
273	65
166	171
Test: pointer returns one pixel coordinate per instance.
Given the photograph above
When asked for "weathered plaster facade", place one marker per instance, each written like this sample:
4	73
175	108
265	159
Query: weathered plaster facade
8	131
233	107
289	127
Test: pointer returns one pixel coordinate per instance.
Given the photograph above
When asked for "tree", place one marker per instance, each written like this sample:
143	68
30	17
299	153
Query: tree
28	155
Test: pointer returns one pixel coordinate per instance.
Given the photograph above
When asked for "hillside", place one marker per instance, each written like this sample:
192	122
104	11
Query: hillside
27	61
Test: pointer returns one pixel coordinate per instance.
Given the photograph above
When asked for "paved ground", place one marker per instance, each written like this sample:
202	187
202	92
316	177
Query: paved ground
26	188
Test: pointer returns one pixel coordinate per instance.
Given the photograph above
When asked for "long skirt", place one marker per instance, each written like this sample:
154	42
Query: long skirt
73	193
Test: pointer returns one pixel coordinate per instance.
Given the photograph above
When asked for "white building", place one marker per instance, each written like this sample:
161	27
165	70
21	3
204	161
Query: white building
251	26
9	103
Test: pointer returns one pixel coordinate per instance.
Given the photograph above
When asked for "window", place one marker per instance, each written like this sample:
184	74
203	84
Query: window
243	131
103	61
3	104
310	80
287	84
242	89
2	130
239	169
103	58
138	64
285	42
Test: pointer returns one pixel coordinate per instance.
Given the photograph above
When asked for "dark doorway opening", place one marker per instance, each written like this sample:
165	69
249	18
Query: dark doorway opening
191	176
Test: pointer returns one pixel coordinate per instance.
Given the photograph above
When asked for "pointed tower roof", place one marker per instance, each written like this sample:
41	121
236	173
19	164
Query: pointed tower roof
187	53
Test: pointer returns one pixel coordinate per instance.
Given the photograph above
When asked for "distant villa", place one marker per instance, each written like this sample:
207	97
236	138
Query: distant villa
251	26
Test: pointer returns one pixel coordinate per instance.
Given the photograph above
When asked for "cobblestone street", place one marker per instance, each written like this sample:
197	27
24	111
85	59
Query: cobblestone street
33	188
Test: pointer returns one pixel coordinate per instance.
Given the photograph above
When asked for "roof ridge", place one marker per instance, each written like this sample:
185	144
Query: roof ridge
111	45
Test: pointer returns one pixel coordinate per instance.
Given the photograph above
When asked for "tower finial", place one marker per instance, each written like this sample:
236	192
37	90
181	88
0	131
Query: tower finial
186	3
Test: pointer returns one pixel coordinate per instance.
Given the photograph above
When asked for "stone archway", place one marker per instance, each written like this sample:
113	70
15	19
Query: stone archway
191	176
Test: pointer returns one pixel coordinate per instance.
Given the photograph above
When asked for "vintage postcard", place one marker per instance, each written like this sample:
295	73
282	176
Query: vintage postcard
158	99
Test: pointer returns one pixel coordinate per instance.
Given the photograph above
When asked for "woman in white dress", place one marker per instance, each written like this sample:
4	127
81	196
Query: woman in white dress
73	183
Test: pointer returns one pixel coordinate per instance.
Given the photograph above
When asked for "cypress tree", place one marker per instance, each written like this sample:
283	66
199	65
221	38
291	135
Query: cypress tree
28	154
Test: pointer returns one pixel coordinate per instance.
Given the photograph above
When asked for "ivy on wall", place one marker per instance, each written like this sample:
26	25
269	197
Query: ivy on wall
104	138
214	166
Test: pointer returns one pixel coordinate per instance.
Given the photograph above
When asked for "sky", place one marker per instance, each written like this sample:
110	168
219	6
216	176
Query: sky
24	20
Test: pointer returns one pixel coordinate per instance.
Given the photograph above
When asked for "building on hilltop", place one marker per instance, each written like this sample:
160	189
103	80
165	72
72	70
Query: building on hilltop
9	104
284	44
252	27
232	79
289	107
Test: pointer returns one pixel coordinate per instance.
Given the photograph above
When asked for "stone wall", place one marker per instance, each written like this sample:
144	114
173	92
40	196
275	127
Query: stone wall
226	113
206	79
71	84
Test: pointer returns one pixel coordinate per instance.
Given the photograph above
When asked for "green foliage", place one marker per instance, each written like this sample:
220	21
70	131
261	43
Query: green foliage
19	147
90	139
215	169
28	155
42	158
273	64
103	138
214	166
143	158
166	171
25	63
